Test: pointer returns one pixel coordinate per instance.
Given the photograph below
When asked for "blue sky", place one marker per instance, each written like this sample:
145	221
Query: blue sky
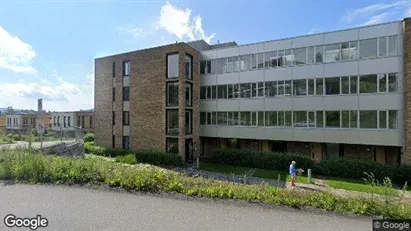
47	48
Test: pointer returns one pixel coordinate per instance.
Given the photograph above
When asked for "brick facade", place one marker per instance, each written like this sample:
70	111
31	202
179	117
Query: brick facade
406	156
147	104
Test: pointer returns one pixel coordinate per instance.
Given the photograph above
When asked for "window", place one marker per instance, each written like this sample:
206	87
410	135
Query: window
310	55
319	54
271	59
221	65
332	119
368	48
214	118
353	84
172	66
311	119
230	64
392	120
54	120
245	62
345	119
260	89
203	91
126	93
288	118
332	86
260	60
392	82
260	121
189	122
368	119
68	121
345	51
82	121
222	118
300	119
280	57
288	57
64	121
126	118
189	66
331	53
172	94
392	45
58	120
172	145
114	94
311	84
189	93
232	118
245	89
209	119
382	82
300	56
319	86
114	69
126	142
254	118
280	88
172	122
114	119
245	118
233	91
203	118
353	119
368	83
345	85
287	88
270	118
203	67
382	119
126	68
300	87
91	121
270	89
253	90
353	53
382	46
222	91
211	92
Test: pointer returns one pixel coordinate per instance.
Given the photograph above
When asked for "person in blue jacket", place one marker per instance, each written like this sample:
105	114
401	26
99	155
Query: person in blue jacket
293	172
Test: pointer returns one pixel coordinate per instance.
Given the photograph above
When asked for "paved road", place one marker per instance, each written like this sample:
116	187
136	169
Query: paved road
71	208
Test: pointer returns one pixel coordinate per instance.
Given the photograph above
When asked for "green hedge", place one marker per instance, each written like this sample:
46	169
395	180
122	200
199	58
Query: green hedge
334	167
159	158
89	147
89	137
266	160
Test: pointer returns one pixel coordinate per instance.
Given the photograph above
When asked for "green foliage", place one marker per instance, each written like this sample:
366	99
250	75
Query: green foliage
39	168
355	169
159	158
128	159
90	148
17	137
89	137
265	160
114	152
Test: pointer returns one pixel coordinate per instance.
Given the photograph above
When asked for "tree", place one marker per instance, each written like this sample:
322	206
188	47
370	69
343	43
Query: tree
10	111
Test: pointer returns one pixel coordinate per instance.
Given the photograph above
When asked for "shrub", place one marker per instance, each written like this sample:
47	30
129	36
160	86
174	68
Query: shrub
128	159
89	147
159	158
114	152
89	137
266	160
16	137
354	169
402	174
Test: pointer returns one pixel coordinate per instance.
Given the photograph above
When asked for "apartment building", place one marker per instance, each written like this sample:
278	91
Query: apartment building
21	122
341	93
71	121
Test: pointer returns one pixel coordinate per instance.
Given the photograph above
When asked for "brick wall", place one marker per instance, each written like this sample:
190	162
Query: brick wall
406	157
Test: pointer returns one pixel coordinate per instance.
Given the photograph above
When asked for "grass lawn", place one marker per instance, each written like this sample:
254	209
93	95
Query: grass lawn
337	183
262	173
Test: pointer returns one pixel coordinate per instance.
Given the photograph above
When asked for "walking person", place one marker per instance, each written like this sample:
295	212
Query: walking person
293	172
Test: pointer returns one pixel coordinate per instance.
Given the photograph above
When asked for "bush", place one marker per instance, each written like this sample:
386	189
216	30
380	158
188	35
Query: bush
114	152
128	159
266	160
17	137
159	158
354	169
89	137
90	148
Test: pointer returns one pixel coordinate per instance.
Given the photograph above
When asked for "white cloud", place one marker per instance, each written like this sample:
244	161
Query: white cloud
59	95
134	30
314	30
378	13
377	19
180	23
16	55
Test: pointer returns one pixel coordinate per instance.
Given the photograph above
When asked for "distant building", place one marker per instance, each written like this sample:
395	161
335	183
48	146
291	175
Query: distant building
71	121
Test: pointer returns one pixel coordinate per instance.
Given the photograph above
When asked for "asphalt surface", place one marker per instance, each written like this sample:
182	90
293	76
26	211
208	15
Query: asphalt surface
75	208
